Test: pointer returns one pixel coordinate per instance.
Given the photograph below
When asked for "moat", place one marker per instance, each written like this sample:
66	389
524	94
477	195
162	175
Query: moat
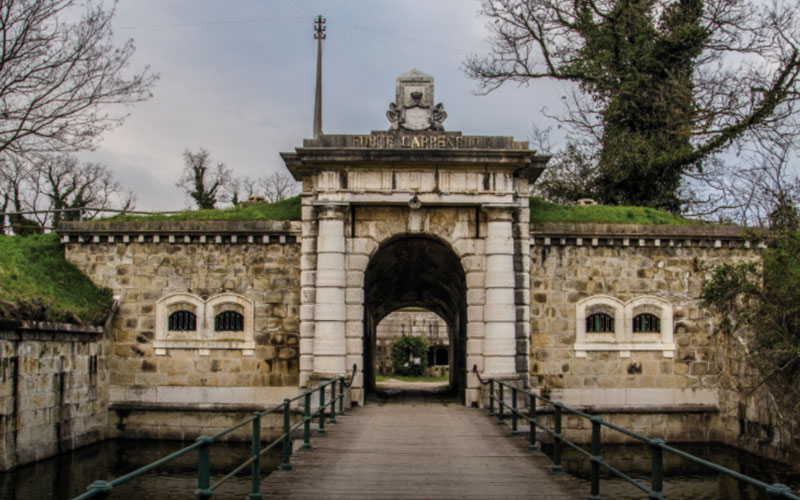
67	475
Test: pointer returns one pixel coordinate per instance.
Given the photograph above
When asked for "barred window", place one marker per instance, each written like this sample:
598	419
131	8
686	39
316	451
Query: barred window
646	323
600	323
182	321
229	321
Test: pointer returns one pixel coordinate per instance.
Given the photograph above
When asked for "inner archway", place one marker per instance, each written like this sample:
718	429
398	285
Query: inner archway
416	271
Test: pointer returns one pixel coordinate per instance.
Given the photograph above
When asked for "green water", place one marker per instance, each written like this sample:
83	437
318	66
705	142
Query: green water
67	475
683	480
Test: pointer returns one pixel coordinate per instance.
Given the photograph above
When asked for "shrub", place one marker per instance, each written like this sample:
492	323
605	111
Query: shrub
409	356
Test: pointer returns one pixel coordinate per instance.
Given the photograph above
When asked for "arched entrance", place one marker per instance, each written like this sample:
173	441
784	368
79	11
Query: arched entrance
416	270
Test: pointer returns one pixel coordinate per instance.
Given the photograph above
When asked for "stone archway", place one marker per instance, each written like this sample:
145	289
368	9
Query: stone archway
416	270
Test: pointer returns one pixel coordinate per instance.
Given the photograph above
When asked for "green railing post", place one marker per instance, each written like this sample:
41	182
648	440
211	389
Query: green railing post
595	458
341	396
287	436
532	414
777	490
104	487
514	411
307	421
321	429
657	466
203	491
557	469
500	404
491	397
255	467
333	402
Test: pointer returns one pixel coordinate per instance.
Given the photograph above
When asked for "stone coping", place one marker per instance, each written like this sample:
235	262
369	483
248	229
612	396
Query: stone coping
634	409
192	231
641	235
51	327
198	407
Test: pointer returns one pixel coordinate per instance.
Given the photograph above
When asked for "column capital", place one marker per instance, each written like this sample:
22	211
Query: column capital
330	209
498	212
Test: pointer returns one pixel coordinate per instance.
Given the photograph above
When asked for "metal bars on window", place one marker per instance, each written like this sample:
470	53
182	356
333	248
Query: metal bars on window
182	321
599	323
646	323
229	321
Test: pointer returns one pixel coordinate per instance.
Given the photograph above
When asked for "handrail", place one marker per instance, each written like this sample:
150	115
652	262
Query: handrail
657	446
102	489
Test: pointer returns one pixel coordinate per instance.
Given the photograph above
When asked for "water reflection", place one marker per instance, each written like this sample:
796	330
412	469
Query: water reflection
66	476
682	479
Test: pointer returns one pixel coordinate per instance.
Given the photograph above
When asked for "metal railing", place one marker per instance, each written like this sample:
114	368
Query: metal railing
205	490
657	446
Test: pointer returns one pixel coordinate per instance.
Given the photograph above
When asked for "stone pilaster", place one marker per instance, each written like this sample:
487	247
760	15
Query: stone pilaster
330	309
499	346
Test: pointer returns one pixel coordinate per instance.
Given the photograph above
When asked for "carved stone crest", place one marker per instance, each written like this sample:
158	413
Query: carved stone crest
413	108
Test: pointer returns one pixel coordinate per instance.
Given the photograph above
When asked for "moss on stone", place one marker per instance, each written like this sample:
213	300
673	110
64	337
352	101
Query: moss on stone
38	284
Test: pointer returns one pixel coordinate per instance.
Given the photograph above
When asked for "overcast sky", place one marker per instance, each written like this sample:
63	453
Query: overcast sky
237	78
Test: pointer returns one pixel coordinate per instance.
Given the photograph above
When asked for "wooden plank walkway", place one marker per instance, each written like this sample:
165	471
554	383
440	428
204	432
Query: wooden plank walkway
419	445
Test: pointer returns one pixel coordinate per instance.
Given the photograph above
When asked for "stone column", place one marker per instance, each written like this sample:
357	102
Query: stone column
330	311
499	346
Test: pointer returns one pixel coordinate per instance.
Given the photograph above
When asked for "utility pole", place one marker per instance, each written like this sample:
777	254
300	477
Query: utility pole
319	36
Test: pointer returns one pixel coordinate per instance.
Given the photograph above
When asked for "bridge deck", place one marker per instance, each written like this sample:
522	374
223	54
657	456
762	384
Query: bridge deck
419	445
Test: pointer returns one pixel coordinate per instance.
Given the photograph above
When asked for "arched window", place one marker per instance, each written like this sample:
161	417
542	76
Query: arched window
646	323
599	323
229	321
182	321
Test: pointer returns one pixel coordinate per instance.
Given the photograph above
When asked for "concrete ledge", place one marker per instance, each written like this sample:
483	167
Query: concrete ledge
198	407
643	410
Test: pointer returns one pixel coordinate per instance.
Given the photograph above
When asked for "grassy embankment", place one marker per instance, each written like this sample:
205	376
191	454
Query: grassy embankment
38	283
543	211
288	209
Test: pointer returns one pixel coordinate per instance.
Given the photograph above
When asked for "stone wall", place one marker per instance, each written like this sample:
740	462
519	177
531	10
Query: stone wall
156	267
53	390
669	389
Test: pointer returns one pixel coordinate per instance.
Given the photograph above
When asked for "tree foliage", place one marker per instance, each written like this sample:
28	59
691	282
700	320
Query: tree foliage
59	76
409	356
664	85
759	303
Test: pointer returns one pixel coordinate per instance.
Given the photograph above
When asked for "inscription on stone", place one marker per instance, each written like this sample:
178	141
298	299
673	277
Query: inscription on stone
426	141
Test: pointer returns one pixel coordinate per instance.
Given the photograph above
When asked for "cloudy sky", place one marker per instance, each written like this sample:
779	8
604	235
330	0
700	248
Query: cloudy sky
237	78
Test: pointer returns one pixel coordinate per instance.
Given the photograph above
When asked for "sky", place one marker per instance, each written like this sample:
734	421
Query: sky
237	78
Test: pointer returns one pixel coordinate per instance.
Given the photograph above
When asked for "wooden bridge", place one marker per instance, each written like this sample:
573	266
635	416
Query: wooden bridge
419	444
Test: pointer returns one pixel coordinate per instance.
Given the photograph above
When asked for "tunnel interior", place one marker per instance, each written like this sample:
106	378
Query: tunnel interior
416	271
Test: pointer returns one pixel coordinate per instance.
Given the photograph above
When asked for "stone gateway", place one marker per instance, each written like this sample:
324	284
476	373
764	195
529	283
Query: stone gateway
218	318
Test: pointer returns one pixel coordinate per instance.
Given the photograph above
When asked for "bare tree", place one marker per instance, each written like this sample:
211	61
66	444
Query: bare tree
58	77
57	188
278	186
240	189
205	183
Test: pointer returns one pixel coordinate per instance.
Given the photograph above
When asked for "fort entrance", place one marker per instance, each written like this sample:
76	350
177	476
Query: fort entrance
415	216
417	271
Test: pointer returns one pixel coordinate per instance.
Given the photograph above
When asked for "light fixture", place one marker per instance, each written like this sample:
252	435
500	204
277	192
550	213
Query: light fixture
414	202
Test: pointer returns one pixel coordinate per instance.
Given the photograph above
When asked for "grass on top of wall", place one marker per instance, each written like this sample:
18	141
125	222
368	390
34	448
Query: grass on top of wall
288	209
543	211
38	283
